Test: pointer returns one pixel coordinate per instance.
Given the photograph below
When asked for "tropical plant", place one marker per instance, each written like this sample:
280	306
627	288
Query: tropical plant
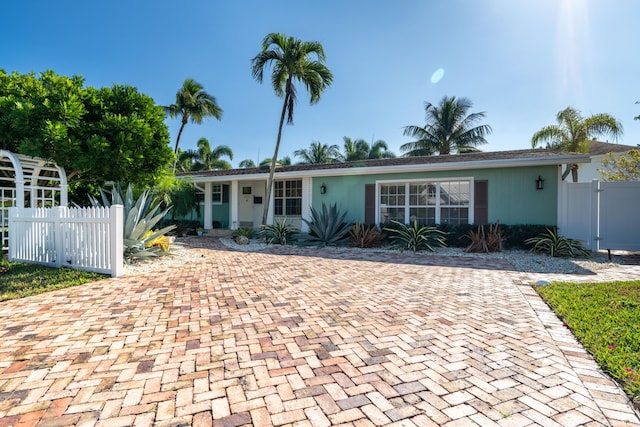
415	237
359	149
192	103
449	128
140	218
551	243
365	236
247	232
318	153
625	167
279	233
205	158
574	132
284	161
483	241
247	163
326	227
292	61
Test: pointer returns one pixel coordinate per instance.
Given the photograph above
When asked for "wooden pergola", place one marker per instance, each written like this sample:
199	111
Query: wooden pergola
28	182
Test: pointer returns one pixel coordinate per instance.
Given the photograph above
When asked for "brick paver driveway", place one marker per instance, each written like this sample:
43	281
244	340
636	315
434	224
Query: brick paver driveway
294	339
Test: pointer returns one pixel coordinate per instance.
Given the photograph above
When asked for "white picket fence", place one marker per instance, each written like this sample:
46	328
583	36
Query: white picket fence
603	215
88	239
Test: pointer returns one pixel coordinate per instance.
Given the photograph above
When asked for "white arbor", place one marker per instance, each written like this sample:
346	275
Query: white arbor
28	182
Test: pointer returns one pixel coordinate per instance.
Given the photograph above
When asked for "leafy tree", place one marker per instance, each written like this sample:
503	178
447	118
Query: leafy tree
319	153
621	168
359	149
573	133
112	134
192	103
247	163
292	61
209	159
449	128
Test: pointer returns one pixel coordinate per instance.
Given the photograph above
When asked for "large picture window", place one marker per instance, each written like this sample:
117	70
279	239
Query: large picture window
427	202
287	198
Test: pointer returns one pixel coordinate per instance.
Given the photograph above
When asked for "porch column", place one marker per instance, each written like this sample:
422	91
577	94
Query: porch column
234	222
307	200
208	214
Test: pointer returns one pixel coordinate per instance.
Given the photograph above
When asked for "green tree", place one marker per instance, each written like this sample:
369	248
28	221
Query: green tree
359	149
284	161
573	133
113	134
209	159
292	61
193	104
319	153
247	163
449	128
621	168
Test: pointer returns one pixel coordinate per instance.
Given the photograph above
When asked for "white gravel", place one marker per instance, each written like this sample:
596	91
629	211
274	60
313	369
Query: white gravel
523	261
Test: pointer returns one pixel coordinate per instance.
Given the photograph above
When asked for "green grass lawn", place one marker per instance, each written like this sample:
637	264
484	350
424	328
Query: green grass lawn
18	280
605	317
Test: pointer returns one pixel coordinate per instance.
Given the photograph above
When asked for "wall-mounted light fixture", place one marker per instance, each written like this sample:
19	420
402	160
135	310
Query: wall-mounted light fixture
539	183
323	189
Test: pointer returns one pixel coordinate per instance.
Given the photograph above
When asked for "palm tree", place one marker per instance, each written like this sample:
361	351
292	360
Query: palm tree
247	163
284	161
380	150
209	159
192	103
185	160
292	61
573	133
449	128
359	149
319	153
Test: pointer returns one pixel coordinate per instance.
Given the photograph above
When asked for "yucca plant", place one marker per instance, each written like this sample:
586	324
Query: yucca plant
551	243
326	227
247	232
363	236
279	233
483	241
140	217
416	237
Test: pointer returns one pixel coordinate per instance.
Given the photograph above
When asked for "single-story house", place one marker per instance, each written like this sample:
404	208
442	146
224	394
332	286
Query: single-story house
513	187
598	151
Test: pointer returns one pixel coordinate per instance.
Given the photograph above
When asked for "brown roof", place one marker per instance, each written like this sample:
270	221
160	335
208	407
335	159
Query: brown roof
597	148
530	154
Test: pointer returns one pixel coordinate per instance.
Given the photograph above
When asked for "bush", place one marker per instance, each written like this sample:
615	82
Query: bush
517	235
551	243
482	241
326	227
416	237
247	232
365	236
279	233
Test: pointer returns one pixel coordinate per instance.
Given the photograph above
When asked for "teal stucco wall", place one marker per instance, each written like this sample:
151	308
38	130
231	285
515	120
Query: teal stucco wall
512	195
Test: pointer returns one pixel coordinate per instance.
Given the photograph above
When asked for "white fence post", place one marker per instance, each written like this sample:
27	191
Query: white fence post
58	234
594	209
116	214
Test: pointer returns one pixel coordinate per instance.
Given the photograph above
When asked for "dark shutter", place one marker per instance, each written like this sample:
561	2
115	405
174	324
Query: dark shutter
225	193
369	203
481	202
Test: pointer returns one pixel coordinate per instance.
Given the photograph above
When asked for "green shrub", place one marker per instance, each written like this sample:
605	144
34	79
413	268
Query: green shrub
279	233
483	241
551	243
365	236
415	237
247	232
517	235
140	217
455	234
326	227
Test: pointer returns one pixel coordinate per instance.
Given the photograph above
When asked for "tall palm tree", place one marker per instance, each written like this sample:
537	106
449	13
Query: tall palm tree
380	150
573	133
357	149
319	153
209	159
449	128
192	103
292	61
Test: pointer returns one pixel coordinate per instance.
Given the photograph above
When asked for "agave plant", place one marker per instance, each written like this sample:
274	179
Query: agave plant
326	227
416	237
551	243
140	216
279	233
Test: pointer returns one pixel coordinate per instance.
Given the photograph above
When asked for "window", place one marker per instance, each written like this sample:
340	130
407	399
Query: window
216	194
287	198
427	202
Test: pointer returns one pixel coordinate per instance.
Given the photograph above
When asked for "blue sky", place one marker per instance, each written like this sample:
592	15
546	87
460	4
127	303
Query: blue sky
518	61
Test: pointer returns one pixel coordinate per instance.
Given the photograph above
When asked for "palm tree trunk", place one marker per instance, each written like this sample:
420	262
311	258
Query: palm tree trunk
175	151
274	159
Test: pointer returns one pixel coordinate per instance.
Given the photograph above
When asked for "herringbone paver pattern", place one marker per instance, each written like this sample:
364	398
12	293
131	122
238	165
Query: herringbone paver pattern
287	338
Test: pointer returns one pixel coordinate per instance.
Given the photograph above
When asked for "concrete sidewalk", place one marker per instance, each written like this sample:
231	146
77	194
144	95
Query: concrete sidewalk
283	337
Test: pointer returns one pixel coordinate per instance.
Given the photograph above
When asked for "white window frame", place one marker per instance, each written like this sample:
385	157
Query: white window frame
216	191
435	181
285	198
